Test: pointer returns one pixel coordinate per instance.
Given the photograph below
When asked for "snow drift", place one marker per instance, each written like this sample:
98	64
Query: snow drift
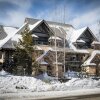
3	73
10	83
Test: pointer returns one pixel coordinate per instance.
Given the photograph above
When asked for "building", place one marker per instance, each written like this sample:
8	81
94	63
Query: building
80	46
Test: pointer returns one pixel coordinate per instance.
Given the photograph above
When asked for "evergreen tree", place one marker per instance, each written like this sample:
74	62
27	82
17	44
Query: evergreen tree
24	53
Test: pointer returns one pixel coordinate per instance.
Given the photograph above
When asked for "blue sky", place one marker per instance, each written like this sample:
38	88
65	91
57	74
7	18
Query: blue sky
79	13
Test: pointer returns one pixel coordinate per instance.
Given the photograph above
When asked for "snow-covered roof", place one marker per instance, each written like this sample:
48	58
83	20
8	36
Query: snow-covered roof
53	38
33	35
42	47
76	34
58	63
89	64
16	37
40	58
80	41
43	63
11	33
37	47
34	25
95	42
73	36
9	30
89	60
50	23
81	51
78	50
31	27
59	31
45	47
37	23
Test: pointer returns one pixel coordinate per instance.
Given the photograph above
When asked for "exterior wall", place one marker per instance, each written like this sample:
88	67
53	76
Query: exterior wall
59	43
99	69
33	72
74	61
96	47
90	70
60	71
96	60
43	68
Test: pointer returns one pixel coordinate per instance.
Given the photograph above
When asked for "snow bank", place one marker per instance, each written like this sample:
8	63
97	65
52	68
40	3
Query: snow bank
3	73
9	84
16	83
45	76
71	74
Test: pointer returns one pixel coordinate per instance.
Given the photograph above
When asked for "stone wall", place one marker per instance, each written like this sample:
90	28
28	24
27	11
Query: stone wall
90	70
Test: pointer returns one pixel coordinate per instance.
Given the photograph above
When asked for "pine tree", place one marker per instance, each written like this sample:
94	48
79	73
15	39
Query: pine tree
24	53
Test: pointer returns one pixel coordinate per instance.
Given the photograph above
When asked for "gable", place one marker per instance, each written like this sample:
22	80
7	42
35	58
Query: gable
85	40
87	36
41	27
42	30
75	34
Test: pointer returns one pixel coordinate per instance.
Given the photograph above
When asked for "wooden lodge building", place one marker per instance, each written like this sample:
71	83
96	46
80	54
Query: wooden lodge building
82	49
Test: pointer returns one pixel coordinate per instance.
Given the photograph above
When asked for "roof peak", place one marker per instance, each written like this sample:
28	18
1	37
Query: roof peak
50	22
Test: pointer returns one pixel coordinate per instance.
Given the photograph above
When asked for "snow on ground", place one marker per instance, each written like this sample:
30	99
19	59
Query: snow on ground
45	77
50	95
3	73
71	74
16	84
